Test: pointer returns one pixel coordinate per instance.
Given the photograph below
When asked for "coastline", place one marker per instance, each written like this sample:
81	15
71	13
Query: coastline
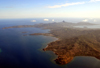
49	52
47	46
55	56
57	59
53	41
70	42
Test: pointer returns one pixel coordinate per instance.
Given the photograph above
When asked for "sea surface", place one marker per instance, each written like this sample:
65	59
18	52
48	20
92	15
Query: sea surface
89	26
20	50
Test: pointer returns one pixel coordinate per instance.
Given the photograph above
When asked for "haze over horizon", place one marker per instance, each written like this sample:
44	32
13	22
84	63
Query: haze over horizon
49	8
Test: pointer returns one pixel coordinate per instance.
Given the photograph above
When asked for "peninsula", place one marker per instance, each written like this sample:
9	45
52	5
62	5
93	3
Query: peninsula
73	41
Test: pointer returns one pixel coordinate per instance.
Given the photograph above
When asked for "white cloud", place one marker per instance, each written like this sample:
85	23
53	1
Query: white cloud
95	21
33	21
53	20
46	19
94	0
64	5
85	20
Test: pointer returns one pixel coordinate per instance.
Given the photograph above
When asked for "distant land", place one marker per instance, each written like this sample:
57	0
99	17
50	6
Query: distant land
71	41
57	24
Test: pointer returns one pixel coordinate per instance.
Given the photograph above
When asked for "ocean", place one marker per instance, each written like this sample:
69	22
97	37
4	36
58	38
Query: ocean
20	50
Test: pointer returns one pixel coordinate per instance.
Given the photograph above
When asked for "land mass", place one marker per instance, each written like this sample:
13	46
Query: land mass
73	41
51	25
45	34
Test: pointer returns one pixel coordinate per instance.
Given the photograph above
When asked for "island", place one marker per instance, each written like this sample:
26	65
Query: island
71	41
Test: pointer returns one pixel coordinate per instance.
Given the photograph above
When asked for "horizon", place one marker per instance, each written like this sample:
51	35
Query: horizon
51	20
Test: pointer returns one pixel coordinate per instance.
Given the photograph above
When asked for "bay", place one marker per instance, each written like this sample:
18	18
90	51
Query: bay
19	51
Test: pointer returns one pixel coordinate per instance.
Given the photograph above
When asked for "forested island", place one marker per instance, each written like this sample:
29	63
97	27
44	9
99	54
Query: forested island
71	41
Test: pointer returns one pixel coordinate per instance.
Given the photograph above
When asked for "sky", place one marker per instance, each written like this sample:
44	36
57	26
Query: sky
49	8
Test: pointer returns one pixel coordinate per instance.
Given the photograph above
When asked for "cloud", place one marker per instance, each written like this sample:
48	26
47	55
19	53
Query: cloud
94	0
46	19
33	21
95	21
53	20
70	4
85	20
67	4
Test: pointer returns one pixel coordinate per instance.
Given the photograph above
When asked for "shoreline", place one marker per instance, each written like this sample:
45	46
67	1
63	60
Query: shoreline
60	59
44	49
70	42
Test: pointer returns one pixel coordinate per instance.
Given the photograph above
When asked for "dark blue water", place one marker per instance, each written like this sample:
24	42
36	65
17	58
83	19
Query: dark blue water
18	51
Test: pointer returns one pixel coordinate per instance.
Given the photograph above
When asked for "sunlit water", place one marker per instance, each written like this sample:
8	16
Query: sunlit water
18	51
89	26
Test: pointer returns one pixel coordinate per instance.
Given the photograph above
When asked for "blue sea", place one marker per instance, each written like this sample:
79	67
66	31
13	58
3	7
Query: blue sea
19	51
